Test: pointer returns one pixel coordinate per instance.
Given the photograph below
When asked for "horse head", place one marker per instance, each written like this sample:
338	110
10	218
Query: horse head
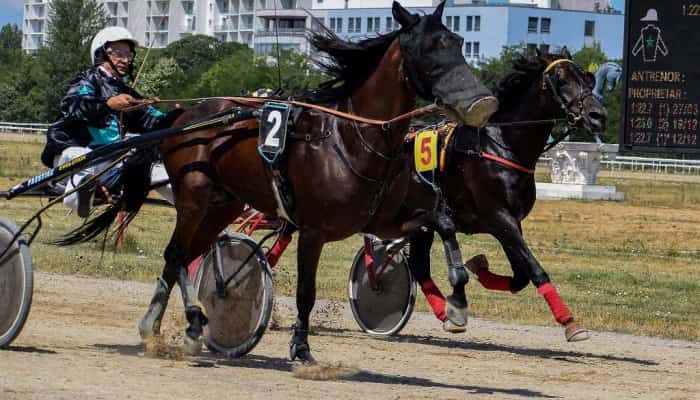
437	70
570	89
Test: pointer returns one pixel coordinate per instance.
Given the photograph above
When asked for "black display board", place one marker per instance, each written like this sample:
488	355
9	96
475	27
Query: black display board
661	77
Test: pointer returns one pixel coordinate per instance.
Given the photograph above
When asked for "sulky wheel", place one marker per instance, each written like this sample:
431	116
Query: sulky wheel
238	315
16	283
385	310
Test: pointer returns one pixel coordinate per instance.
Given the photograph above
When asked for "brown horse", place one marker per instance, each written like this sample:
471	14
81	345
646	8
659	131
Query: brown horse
488	196
344	176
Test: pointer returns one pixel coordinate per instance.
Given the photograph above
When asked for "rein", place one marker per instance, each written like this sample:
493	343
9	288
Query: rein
254	101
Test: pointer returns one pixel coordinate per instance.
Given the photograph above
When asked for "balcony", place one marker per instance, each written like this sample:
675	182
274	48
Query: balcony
225	28
282	32
159	9
247	6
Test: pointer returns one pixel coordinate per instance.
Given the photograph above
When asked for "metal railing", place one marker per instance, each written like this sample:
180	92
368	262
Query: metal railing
654	165
641	164
20	127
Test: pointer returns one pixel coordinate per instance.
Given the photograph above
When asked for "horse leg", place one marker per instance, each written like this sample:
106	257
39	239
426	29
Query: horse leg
308	253
216	219
150	323
419	264
454	314
479	266
509	234
456	307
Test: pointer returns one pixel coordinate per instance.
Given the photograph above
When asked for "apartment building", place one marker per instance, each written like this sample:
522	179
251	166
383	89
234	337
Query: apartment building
486	26
165	21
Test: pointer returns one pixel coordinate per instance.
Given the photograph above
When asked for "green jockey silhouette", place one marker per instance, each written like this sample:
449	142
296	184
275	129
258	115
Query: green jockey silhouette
650	42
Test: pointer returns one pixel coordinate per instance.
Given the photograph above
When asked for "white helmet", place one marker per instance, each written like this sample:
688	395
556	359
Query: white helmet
110	34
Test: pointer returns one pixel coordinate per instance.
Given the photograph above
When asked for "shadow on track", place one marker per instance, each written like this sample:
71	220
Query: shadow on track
560	355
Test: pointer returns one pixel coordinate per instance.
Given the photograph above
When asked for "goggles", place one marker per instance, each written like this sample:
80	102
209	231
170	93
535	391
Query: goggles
123	54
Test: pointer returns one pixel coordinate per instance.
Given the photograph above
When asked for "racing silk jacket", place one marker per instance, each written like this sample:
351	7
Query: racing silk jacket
85	120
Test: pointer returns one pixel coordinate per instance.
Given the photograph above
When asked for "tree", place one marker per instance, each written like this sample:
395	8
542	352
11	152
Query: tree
21	90
588	56
71	26
154	81
193	51
491	70
10	37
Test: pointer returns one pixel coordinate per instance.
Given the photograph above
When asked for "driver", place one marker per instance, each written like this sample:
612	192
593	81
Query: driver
91	114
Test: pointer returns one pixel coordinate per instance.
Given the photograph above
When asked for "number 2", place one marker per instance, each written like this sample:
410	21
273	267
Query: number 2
275	117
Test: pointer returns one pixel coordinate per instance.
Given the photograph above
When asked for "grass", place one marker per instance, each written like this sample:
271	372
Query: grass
631	266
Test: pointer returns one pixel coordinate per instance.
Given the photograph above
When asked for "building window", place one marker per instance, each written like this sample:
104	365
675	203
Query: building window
589	29
477	23
531	49
476	49
372	24
354	24
452	23
389	24
468	49
337	25
470	23
545	25
532	25
544	48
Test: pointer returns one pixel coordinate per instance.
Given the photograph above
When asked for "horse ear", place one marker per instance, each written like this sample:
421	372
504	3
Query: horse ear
565	52
440	8
402	16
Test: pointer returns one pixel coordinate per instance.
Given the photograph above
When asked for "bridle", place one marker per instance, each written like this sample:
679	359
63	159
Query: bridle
572	118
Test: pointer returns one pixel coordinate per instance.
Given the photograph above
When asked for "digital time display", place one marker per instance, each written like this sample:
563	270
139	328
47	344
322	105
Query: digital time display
661	77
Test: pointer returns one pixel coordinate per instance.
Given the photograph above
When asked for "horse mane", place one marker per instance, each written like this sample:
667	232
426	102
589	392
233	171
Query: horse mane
348	63
524	72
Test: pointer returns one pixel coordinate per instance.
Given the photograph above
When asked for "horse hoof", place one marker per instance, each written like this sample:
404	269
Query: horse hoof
457	316
476	264
193	347
451	327
302	352
575	332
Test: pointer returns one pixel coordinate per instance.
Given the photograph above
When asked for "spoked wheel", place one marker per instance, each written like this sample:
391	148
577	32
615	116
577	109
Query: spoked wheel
239	314
16	283
386	309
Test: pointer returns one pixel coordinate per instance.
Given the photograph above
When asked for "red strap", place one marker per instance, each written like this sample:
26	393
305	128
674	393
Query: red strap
508	163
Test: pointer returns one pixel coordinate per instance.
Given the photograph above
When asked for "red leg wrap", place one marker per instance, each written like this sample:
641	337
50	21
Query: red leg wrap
435	298
276	252
192	268
491	281
560	311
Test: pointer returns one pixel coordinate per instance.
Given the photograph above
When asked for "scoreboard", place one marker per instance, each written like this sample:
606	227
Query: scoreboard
661	77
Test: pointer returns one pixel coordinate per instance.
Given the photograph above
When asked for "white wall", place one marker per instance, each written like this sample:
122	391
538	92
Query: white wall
340	4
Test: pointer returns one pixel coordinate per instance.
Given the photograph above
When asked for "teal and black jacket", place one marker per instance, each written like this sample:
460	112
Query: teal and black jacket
85	119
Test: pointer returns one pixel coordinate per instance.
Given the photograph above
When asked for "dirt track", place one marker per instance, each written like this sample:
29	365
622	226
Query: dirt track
81	343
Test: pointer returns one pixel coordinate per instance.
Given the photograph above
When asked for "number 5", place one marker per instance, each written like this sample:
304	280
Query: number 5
426	150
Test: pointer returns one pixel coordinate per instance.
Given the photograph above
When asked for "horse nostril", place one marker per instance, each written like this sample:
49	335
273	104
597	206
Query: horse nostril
596	116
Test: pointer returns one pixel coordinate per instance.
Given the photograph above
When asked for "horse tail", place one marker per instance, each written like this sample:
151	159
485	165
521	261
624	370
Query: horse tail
136	185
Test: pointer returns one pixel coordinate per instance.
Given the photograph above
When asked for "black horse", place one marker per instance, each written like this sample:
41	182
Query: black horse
493	193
